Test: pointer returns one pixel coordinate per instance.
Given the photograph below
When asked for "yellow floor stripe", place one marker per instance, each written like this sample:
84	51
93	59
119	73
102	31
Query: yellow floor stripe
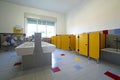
77	59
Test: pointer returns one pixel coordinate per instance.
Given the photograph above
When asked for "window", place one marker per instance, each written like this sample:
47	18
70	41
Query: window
46	28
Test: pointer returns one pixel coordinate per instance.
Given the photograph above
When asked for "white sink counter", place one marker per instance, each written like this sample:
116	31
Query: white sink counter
47	48
27	48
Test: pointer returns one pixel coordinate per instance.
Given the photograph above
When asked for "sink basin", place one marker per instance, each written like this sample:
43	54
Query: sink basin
27	48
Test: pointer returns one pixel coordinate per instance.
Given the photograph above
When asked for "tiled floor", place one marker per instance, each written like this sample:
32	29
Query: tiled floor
72	65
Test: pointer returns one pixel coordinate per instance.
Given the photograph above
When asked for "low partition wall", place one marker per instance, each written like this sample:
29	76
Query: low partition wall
111	55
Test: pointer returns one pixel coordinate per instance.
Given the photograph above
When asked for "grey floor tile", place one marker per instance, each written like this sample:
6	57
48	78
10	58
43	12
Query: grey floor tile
90	70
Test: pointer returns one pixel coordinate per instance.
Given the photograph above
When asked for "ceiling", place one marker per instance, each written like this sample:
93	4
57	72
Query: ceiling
62	6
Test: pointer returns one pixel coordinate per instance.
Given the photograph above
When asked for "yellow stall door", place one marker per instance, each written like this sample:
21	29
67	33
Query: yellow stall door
77	43
65	42
72	42
83	44
58	41
102	42
94	45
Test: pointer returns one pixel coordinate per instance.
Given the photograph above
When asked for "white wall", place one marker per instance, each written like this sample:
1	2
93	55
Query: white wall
93	16
12	15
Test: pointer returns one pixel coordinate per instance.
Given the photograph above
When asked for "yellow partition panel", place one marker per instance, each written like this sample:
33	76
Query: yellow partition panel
102	41
83	44
55	40
94	45
65	42
52	39
72	42
58	41
77	43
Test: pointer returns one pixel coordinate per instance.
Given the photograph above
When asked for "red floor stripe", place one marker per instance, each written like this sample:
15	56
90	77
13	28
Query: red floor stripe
62	54
114	76
17	63
56	69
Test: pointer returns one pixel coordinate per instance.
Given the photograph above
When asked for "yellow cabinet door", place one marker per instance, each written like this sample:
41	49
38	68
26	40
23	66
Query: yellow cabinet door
94	45
83	44
77	43
65	42
58	41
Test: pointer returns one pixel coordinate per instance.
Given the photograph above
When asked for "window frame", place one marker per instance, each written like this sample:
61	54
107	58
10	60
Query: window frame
26	24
